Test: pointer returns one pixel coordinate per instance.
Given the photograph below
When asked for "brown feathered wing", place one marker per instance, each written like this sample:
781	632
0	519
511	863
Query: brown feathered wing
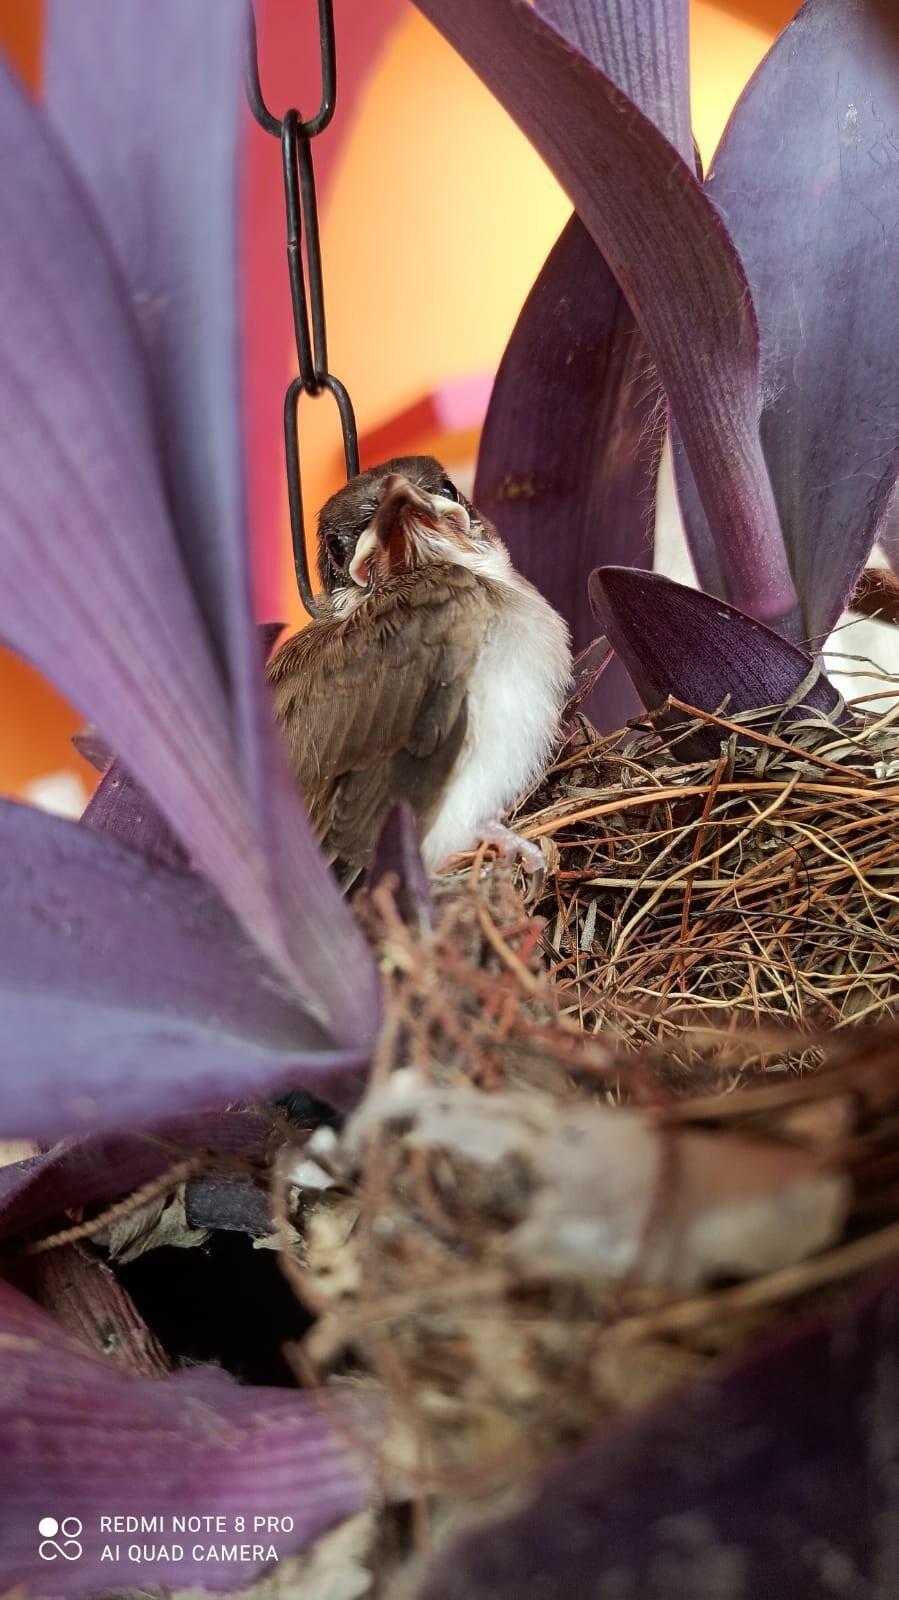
374	706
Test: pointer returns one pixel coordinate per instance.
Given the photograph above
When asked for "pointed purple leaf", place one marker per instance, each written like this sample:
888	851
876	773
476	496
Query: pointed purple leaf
93	747
128	992
398	852
93	588
807	180
118	807
672	257
269	634
102	1168
570	449
81	1439
773	1477
682	642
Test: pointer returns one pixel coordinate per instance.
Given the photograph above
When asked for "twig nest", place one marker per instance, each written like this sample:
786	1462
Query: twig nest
697	900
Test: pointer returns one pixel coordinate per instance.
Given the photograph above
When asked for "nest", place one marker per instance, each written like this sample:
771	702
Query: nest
594	1156
754	886
525	1233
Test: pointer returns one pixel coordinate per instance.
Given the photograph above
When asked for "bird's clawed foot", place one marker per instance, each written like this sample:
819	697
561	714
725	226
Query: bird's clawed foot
512	847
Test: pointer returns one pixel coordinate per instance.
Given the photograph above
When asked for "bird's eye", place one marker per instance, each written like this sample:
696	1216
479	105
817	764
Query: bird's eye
337	554
449	491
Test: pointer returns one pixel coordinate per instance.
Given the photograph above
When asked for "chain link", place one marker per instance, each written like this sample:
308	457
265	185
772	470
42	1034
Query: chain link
304	267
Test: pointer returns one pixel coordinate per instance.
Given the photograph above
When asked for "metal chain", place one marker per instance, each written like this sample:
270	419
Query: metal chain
304	266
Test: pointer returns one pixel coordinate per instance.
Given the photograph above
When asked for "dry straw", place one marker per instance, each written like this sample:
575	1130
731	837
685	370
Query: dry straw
758	884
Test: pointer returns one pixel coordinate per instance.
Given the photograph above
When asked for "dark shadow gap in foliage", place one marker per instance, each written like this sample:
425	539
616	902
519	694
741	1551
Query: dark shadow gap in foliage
224	1303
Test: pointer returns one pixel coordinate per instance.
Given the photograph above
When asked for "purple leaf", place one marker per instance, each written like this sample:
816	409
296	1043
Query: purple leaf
807	180
83	1294
775	1476
679	641
269	634
707	565
889	533
571	443
643	47
93	747
81	1439
117	806
128	992
124	92
124	89
105	1167
672	257
398	852
570	449
93	589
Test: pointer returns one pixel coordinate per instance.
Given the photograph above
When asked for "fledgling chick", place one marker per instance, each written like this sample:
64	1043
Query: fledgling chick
433	673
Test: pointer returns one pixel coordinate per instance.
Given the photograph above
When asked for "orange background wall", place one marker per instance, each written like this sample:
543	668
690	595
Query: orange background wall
437	222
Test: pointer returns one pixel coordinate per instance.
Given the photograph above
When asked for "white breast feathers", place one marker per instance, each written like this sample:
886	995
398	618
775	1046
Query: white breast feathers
515	700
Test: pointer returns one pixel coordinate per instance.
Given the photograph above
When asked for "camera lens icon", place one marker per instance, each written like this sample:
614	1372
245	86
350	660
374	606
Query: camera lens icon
59	1538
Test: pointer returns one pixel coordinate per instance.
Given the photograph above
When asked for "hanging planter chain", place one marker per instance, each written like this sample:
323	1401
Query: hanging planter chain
305	271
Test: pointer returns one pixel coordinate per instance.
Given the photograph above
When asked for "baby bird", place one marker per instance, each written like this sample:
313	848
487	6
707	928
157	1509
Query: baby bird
433	673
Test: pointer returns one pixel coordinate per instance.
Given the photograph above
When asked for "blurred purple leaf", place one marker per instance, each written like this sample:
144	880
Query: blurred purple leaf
269	634
672	257
101	1168
93	747
81	1439
84	1295
125	89
772	1477
94	591
117	806
128	992
571	444
807	181
682	642
398	852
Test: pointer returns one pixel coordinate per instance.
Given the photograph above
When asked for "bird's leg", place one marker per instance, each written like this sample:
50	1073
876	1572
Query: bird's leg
512	847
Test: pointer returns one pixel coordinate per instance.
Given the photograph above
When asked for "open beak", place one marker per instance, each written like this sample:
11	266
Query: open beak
401	524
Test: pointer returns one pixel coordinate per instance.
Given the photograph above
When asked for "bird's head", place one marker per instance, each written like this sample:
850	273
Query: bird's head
398	517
